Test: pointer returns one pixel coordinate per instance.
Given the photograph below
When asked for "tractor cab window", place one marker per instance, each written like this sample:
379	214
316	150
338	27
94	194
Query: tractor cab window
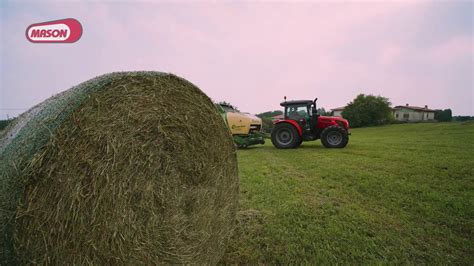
297	112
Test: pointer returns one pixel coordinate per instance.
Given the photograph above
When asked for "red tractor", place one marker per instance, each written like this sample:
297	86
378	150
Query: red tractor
303	123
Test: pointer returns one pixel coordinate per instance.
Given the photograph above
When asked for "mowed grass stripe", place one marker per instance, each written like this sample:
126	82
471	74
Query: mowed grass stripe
399	193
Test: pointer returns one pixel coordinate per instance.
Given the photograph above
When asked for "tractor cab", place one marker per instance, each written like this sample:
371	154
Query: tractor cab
303	112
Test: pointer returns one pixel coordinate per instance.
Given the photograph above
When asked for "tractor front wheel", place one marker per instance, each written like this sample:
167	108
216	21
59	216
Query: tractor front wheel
285	136
334	137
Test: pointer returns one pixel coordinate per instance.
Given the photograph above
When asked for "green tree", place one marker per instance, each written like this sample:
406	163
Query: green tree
4	123
445	115
368	110
229	104
322	111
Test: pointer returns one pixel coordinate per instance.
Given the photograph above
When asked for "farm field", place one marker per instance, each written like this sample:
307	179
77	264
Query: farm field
398	193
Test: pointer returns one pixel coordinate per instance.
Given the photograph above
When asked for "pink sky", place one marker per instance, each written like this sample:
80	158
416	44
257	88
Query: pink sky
252	54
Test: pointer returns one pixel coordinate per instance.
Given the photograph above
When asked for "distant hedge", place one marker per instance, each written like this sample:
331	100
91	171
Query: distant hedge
461	118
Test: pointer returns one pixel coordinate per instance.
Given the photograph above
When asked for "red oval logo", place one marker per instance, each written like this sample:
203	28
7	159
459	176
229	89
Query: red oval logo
67	30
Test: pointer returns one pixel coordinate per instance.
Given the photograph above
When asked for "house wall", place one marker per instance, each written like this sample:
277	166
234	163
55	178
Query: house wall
405	114
337	113
430	115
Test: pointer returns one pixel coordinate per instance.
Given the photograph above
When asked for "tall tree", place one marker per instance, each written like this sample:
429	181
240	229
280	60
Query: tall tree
445	115
368	110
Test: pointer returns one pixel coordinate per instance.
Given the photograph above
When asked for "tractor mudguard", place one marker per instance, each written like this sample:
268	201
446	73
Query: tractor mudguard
294	123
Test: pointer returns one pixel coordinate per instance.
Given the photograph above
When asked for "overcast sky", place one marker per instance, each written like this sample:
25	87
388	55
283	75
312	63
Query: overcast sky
252	54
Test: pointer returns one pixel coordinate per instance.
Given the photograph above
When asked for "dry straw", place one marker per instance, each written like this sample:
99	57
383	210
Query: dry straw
128	168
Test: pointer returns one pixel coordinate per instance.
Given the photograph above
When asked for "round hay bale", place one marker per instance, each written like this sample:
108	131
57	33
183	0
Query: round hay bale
133	168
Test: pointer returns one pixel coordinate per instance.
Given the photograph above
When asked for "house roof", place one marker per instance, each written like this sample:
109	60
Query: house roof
415	108
338	109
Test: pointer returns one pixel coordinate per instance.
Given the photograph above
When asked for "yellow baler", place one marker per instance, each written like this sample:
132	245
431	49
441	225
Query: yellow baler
246	129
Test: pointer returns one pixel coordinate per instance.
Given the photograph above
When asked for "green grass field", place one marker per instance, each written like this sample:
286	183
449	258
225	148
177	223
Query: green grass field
399	193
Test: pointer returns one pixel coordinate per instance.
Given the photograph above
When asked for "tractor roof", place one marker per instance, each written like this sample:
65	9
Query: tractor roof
298	102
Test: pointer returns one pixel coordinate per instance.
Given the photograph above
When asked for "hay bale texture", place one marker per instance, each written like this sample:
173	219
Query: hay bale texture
129	168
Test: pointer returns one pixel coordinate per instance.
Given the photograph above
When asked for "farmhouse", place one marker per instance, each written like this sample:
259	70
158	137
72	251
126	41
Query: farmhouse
337	111
413	113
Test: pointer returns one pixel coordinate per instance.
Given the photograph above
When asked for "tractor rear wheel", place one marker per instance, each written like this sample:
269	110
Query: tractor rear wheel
334	137
285	136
